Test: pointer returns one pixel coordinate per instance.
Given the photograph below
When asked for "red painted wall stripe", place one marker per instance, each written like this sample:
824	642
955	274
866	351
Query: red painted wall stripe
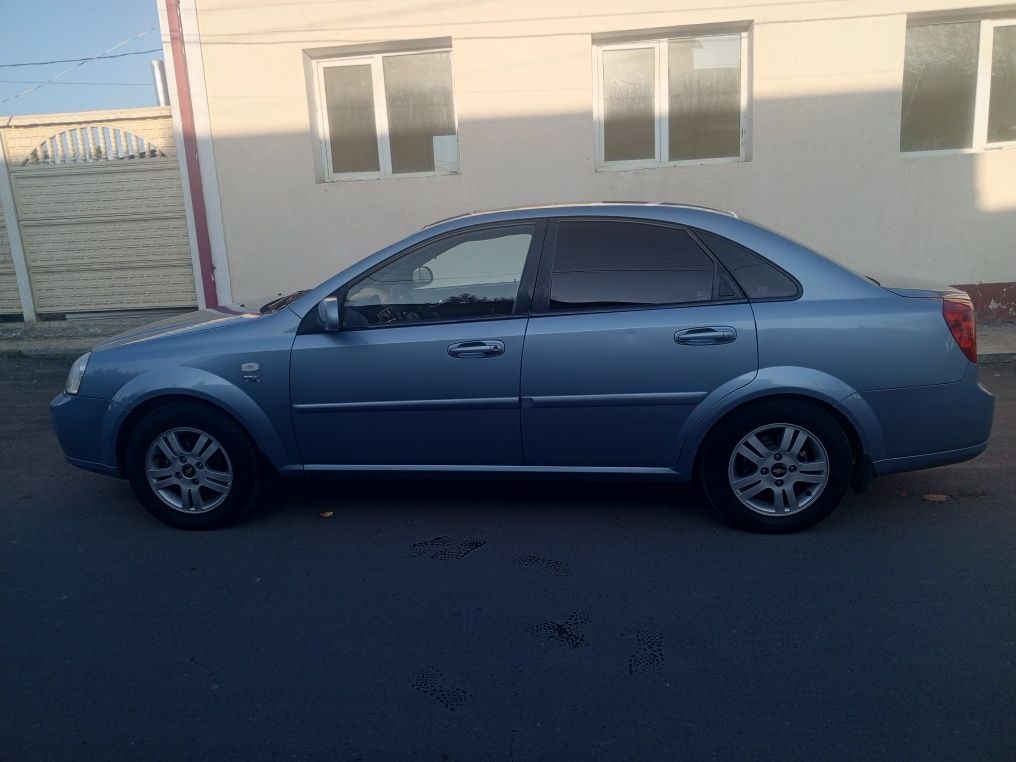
190	152
993	301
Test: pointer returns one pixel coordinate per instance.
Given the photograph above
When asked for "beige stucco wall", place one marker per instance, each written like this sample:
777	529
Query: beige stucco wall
825	165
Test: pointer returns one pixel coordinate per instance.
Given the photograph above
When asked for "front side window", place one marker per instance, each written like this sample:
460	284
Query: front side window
959	86
671	100
461	277
608	265
387	115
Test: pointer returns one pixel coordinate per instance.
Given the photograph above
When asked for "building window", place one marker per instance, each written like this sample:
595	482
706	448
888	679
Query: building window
674	100
959	86
390	114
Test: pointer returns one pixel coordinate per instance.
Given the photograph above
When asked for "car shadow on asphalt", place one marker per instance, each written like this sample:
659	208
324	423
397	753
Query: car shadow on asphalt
521	496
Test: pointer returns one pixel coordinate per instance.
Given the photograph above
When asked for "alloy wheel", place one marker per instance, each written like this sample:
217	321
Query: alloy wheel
189	470
778	469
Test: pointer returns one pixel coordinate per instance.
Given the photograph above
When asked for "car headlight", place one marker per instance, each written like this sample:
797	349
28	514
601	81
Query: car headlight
77	373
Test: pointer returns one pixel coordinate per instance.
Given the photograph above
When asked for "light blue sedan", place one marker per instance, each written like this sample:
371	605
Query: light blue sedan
625	340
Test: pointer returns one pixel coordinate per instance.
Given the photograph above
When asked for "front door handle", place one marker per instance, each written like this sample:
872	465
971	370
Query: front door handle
477	349
711	334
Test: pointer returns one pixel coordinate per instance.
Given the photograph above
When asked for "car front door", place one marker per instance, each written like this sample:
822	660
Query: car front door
425	369
633	325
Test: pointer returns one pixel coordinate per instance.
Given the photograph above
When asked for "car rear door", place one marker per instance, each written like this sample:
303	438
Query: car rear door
633	324
425	370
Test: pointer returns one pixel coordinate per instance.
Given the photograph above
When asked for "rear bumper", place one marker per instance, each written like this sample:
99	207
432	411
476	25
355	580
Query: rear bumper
928	426
929	460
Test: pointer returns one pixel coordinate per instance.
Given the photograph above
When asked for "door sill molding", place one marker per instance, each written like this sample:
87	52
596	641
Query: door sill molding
317	468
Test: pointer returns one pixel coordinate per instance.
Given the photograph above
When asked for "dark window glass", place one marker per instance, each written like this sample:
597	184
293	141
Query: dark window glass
1002	106
421	112
602	264
758	278
705	97
349	94
629	104
724	288
939	86
472	275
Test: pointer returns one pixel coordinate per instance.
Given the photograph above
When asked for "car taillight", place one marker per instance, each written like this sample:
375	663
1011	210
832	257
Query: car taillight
959	316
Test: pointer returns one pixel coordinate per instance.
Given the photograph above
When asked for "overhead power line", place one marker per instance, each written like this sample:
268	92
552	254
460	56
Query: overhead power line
82	60
104	84
79	64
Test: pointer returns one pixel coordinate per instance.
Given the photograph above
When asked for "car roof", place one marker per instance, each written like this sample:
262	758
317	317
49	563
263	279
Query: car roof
611	208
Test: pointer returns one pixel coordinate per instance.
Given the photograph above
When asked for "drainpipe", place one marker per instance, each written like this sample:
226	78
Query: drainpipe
159	80
185	111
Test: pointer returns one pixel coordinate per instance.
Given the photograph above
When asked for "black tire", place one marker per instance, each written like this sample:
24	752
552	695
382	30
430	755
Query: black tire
728	435
245	486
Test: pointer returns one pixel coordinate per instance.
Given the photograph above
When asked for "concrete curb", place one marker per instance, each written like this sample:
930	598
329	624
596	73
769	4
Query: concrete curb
68	353
998	358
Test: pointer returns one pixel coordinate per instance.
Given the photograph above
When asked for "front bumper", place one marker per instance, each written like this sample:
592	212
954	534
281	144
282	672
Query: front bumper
79	423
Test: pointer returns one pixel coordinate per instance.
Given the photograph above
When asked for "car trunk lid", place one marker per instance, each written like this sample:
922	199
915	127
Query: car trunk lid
917	288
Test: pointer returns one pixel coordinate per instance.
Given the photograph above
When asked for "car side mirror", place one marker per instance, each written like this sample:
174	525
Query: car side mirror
422	276
328	313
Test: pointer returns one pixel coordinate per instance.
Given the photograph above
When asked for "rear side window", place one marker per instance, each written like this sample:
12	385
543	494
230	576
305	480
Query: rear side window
758	278
603	264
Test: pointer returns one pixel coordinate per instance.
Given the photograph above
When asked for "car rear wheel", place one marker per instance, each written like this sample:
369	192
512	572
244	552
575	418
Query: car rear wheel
192	467
778	466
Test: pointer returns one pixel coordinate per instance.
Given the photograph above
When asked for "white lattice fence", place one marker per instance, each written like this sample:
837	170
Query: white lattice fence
92	143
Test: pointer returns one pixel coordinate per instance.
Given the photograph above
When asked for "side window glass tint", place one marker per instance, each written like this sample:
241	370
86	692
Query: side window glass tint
472	275
725	289
757	277
602	264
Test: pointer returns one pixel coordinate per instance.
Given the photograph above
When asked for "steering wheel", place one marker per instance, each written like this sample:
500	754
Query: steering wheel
400	296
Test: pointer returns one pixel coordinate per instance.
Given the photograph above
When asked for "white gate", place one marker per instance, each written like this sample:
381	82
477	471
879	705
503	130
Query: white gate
100	208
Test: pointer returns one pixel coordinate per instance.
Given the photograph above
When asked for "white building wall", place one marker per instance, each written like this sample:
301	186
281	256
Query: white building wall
825	166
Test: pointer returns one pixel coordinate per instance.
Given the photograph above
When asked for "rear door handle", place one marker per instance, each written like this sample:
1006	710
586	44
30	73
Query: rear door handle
710	334
477	349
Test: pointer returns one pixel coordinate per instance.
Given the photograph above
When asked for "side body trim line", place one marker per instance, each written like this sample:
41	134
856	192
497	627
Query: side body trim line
605	400
472	403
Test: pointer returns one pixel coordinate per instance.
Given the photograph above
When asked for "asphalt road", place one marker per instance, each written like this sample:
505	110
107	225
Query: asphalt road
502	620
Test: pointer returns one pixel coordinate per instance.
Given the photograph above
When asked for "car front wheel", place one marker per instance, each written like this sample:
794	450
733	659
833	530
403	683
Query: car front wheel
192	467
778	466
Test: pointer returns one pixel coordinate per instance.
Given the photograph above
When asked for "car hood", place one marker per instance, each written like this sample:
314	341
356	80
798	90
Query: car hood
907	285
189	322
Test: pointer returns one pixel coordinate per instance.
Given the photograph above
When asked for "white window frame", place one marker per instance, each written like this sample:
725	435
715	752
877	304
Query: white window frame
662	102
380	116
982	96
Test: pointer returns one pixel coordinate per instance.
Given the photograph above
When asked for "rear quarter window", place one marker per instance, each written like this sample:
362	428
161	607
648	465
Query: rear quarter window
757	277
